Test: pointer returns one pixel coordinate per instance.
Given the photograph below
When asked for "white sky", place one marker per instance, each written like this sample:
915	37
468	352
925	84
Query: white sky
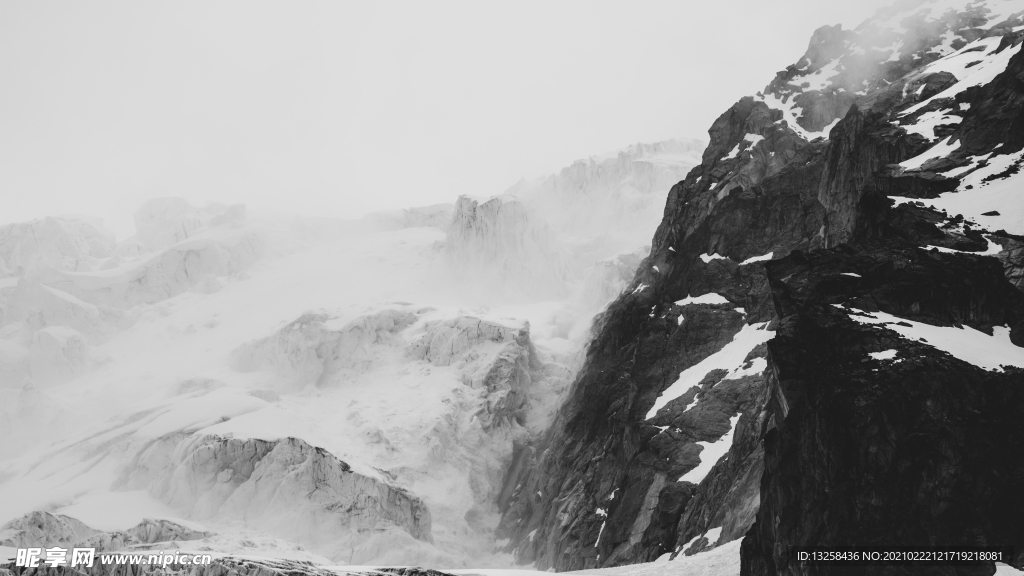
339	108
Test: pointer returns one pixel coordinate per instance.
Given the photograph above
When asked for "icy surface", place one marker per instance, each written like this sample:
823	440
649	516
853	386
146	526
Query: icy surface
172	372
214	328
117	358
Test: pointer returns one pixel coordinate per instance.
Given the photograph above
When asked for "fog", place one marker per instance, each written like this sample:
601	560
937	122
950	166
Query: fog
344	108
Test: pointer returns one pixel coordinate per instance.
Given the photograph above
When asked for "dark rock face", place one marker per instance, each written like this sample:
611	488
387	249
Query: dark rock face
902	451
603	453
831	446
907	452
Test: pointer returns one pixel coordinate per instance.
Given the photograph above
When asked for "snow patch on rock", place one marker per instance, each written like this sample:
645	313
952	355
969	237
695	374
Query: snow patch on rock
730	357
990	352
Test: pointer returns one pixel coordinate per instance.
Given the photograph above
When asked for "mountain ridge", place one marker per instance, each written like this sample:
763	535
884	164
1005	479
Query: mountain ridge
601	488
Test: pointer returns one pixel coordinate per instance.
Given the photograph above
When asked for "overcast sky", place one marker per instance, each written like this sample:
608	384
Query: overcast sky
341	108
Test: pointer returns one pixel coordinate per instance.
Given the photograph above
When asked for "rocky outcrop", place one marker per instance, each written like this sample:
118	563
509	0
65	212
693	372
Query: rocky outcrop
602	283
284	487
503	244
498	357
39	306
60	243
491	355
189	264
678	372
612	200
159	530
477	385
162	222
58	354
540	238
47	332
316	346
907	441
44	530
53	310
177	248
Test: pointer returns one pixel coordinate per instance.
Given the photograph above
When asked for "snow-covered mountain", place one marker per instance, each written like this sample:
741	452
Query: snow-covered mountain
811	334
566	234
305	389
831	301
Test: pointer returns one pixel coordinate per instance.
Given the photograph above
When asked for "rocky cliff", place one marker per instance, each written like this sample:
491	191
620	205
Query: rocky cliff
42	529
542	237
827	324
284	487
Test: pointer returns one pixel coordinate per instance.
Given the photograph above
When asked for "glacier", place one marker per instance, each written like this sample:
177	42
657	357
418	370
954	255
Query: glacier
312	389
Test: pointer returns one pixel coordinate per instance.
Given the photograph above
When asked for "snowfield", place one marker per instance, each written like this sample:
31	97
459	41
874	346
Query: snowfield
350	393
134	375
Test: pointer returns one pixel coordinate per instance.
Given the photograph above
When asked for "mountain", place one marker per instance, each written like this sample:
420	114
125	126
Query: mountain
542	237
304	389
649	362
824	345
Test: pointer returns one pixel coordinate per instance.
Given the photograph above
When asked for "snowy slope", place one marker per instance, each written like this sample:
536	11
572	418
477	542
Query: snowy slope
133	374
211	368
173	370
568	234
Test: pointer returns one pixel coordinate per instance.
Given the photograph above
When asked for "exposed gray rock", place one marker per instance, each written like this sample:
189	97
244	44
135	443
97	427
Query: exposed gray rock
503	357
314	347
58	354
190	264
802	168
61	243
502	244
43	529
40	306
284	487
159	530
161	222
